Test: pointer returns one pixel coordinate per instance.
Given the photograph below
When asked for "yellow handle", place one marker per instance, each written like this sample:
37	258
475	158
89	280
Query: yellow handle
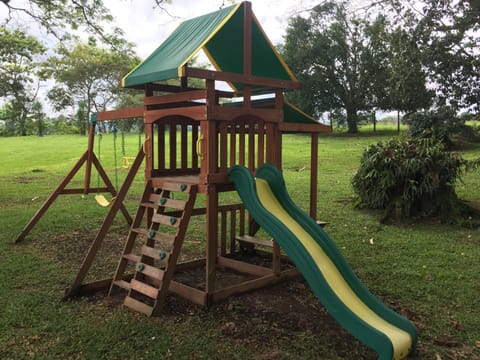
199	147
144	143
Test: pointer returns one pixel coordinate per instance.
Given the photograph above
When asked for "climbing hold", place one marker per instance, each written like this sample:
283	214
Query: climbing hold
140	267
173	220
162	254
93	119
151	234
163	201
183	187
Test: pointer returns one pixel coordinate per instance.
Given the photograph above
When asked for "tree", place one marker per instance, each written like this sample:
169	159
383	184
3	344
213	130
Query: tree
59	17
407	90
18	84
89	74
340	60
448	36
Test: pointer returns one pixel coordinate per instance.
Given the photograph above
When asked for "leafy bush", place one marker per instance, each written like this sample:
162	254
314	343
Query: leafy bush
409	178
441	124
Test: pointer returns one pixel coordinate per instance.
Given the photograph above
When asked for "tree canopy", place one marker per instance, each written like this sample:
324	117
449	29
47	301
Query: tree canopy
86	73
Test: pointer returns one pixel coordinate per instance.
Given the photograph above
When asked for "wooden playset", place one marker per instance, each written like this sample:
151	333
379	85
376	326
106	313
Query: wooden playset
193	135
209	142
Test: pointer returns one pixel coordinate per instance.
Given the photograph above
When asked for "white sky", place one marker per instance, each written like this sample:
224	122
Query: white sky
147	27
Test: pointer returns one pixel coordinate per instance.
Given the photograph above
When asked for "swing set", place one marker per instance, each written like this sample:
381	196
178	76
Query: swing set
90	160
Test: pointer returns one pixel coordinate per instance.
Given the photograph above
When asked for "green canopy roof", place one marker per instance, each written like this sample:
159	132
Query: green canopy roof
220	35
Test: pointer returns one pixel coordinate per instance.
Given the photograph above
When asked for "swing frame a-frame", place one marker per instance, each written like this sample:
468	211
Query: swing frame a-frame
87	160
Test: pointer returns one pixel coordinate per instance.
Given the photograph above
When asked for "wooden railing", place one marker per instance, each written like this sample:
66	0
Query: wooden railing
174	147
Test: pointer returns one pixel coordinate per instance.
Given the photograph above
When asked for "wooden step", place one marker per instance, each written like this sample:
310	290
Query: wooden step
158	200
151	271
138	306
176	187
166	220
123	284
163	237
132	257
255	240
155	253
144	289
150	205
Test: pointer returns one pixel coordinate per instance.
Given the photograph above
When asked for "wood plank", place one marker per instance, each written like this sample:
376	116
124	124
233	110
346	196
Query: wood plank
154	253
126	113
176	186
196	296
175	98
138	306
161	237
123	284
132	257
194	112
166	220
151	271
243	267
294	127
255	240
225	113
144	289
253	284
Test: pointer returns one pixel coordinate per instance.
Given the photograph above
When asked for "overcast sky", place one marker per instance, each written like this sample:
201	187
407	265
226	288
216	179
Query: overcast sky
147	27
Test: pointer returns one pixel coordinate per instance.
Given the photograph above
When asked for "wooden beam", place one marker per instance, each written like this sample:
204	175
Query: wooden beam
175	98
107	222
297	127
194	112
314	176
51	199
119	114
231	113
240	78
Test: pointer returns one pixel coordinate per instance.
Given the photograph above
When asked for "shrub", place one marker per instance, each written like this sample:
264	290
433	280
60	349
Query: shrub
409	178
441	124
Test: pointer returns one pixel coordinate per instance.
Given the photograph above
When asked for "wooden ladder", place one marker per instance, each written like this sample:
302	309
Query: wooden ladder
154	261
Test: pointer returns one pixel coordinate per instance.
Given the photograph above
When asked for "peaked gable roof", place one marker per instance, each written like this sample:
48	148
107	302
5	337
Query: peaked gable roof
220	35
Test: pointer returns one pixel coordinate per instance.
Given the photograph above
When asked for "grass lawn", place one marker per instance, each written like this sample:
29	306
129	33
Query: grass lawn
427	271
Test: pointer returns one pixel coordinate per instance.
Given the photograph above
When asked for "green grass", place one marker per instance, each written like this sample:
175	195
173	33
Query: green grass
428	271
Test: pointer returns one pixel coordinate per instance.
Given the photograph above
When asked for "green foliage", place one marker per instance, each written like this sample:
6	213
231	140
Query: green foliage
341	60
441	124
409	178
87	77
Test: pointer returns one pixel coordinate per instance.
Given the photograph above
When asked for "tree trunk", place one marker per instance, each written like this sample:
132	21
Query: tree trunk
352	120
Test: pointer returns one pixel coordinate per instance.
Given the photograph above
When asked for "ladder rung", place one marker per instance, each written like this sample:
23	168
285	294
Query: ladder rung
155	253
123	284
157	200
150	205
255	240
166	220
138	306
163	237
151	271
132	257
144	289
177	187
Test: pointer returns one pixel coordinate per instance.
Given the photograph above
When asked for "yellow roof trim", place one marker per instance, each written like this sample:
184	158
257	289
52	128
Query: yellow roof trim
195	52
279	57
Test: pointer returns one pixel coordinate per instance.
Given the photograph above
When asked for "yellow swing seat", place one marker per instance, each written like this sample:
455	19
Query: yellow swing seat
102	201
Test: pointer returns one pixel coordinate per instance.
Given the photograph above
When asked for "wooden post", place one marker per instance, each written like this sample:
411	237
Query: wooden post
211	154
95	246
247	51
91	141
51	199
314	175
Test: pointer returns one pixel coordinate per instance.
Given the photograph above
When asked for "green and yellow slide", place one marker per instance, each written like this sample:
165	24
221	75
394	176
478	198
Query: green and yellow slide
324	267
